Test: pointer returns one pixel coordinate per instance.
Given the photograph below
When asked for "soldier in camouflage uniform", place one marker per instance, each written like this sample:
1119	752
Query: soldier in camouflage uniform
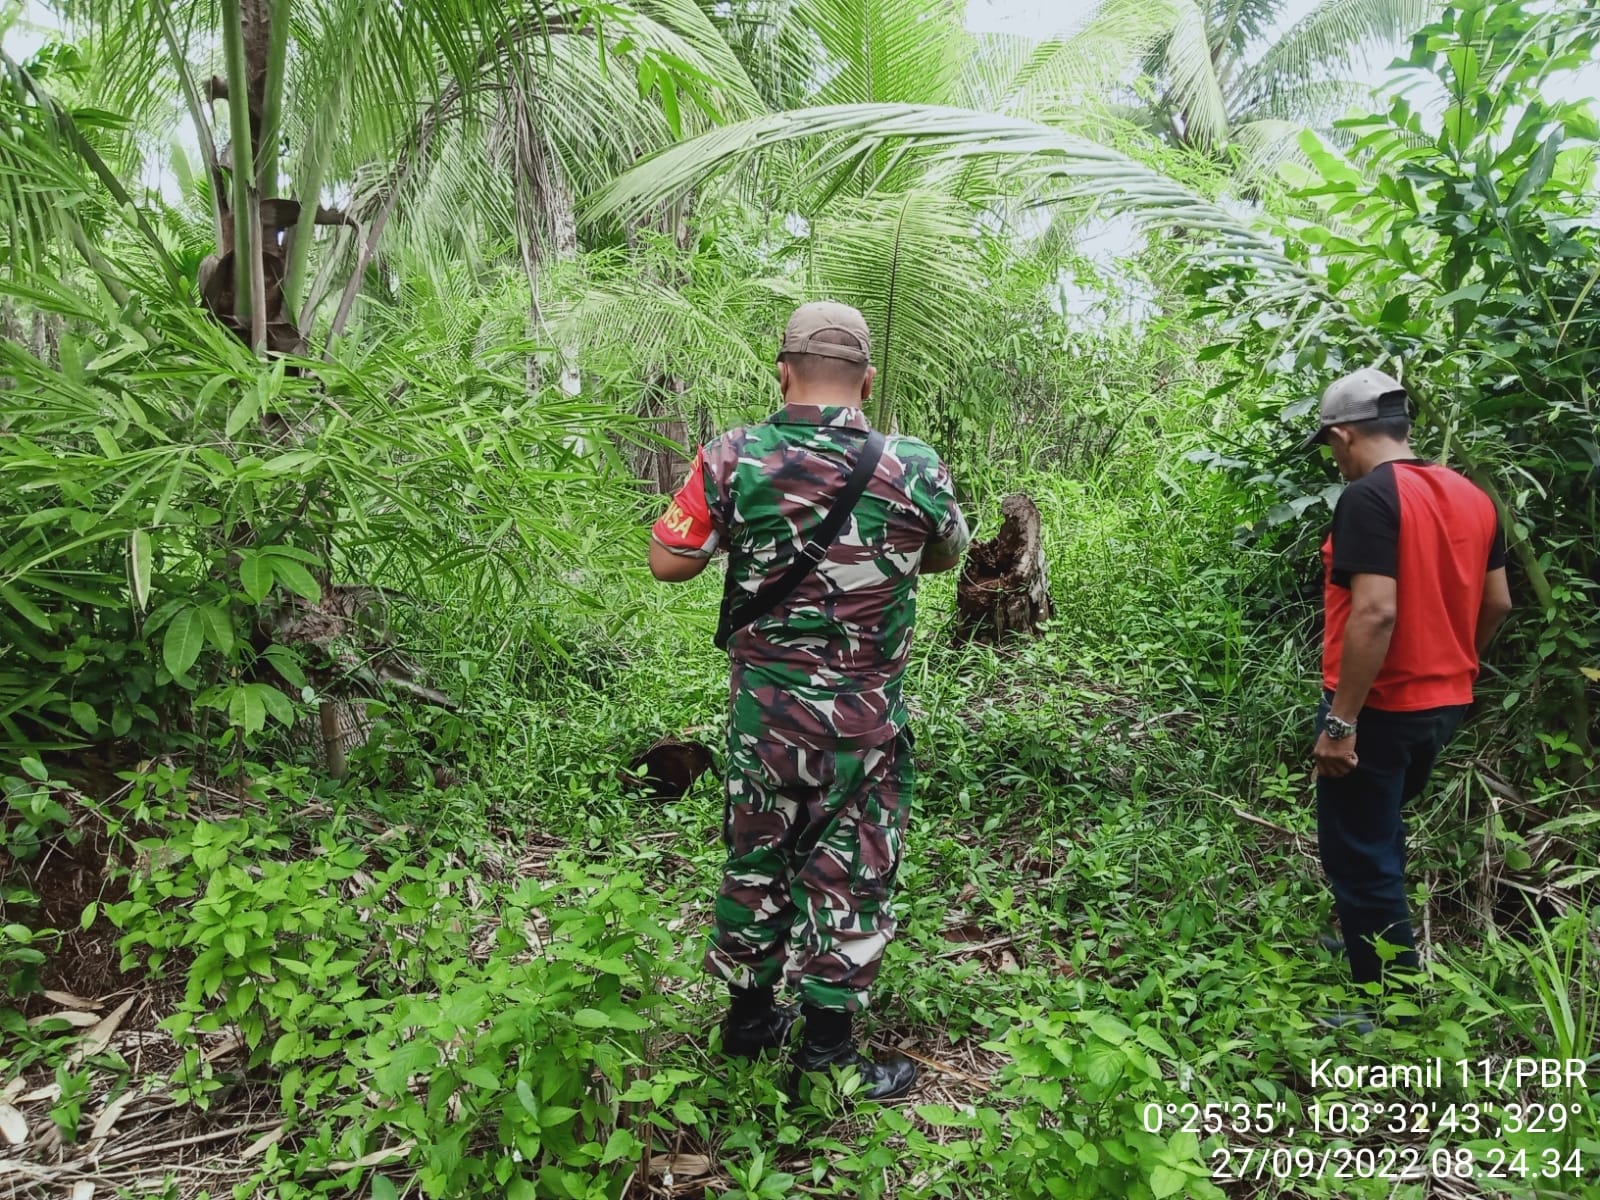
820	772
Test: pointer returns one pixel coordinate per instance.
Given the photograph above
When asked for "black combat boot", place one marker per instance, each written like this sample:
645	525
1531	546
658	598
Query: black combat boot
827	1044
755	1023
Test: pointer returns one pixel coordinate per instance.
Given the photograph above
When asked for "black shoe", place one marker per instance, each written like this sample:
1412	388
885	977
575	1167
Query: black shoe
880	1080
1332	943
750	1037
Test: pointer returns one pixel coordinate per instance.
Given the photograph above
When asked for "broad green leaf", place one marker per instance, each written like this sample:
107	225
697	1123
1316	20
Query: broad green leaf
218	627
243	412
139	567
84	716
1150	1038
525	1096
594	1018
255	576
1108	1027
383	1188
621	1144
184	640
296	578
276	703
294	552
287	663
246	710
1167	1181
669	104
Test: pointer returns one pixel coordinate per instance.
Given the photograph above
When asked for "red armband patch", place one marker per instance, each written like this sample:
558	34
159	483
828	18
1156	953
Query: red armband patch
686	525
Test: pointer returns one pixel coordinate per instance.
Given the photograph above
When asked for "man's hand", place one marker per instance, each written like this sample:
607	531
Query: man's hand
1496	606
1333	759
673	568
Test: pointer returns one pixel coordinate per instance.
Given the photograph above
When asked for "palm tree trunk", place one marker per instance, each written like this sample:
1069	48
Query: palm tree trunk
243	155
547	222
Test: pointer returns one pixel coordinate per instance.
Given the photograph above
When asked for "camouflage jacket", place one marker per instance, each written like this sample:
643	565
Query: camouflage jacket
824	668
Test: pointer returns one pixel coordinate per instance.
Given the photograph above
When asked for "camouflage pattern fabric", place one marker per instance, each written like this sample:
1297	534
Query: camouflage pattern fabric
814	840
824	668
819	775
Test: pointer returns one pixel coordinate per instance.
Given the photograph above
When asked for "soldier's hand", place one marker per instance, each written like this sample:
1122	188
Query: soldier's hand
1333	759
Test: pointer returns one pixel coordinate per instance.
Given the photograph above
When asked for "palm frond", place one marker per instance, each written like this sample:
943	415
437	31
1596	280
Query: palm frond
1312	102
629	327
875	51
1265	145
1191	71
1070	72
908	263
1336	35
947	134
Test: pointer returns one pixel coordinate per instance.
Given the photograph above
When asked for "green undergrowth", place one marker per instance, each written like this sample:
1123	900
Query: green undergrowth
1107	955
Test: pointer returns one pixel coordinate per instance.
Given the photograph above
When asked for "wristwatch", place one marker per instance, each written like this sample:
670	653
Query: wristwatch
1338	728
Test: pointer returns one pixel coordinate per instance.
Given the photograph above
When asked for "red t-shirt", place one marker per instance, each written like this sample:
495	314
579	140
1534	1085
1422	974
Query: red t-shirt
1436	535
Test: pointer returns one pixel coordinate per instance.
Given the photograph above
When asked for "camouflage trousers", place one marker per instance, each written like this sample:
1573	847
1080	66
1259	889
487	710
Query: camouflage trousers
814	840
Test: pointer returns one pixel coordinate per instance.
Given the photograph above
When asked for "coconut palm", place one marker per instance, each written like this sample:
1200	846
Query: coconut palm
902	140
1216	75
345	120
353	98
892	232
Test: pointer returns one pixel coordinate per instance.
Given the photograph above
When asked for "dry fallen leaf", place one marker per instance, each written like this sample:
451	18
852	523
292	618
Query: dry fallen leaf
98	1038
225	1047
50	1092
387	1154
83	1190
12	1127
681	1166
259	1146
71	1001
108	1116
70	1016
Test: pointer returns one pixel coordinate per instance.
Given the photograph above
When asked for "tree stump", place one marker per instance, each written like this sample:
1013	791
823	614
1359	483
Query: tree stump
1003	587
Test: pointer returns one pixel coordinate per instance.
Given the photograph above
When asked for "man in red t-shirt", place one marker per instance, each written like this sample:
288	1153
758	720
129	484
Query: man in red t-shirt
1415	588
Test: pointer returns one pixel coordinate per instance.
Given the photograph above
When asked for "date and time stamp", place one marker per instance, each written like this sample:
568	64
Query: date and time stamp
1517	1125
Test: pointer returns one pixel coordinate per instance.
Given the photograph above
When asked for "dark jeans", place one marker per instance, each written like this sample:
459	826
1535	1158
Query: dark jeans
1361	833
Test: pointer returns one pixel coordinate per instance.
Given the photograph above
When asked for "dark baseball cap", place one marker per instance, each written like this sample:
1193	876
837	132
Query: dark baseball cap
1363	395
849	338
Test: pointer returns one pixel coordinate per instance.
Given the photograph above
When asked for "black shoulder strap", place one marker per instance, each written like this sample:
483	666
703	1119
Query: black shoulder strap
736	616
